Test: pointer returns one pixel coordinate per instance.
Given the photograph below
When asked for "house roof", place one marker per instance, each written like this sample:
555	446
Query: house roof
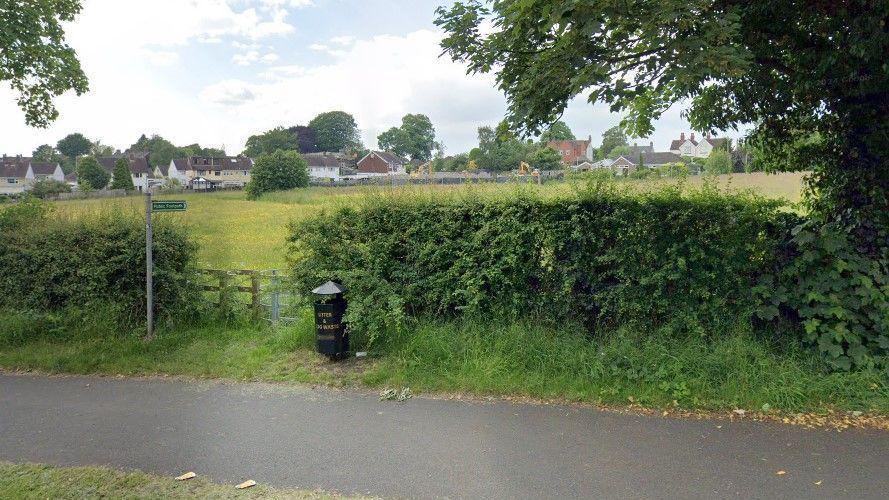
390	158
13	169
43	167
636	150
322	160
583	143
716	141
660	158
163	169
214	163
137	166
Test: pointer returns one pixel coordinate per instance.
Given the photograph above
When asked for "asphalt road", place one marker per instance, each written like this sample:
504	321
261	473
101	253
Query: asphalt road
353	443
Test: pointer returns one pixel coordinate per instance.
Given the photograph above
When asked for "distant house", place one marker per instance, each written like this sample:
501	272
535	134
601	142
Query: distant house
330	166
47	170
16	174
218	172
377	163
696	148
636	150
573	152
626	166
140	171
587	166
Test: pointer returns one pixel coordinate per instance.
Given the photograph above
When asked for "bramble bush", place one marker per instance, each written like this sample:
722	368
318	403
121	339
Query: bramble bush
681	263
50	263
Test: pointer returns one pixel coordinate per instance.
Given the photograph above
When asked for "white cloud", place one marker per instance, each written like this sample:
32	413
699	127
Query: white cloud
227	93
320	47
160	57
246	59
269	58
343	40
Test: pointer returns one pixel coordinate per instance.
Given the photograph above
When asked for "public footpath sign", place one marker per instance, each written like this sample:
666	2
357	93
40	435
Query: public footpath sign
154	206
168	206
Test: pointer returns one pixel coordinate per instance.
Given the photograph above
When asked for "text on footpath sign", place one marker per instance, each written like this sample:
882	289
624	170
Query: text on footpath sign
168	206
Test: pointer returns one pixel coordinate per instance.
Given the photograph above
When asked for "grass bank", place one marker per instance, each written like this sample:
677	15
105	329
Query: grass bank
32	481
733	370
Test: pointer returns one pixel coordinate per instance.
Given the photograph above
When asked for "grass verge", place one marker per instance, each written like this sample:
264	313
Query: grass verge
733	370
42	481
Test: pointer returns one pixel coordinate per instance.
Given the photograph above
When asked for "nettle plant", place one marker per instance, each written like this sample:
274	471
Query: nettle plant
840	295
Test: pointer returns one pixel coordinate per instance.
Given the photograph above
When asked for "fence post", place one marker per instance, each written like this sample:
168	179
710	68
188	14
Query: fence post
223	292
275	302
254	293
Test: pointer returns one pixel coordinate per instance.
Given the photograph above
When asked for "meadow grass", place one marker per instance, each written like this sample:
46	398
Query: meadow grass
234	233
33	481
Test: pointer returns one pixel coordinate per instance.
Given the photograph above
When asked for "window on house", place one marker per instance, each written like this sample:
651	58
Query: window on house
245	172
217	173
12	180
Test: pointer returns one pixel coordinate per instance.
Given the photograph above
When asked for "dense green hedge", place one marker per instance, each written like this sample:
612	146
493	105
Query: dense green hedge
687	263
51	263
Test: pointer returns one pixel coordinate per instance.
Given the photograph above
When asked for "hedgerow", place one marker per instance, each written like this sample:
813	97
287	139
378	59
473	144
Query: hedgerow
685	263
50	263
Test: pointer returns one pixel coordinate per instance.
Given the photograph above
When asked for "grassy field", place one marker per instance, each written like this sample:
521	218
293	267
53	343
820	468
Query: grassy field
33	481
238	234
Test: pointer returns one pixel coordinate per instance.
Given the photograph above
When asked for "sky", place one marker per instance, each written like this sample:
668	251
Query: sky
217	71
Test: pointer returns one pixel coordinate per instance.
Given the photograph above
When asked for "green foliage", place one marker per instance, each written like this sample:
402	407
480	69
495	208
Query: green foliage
678	170
618	151
456	163
612	139
54	264
306	137
415	139
36	61
819	69
840	295
99	150
719	162
90	172
335	131
74	145
121	177
277	171
685	263
558	131
498	152
46	153
48	187
271	141
545	158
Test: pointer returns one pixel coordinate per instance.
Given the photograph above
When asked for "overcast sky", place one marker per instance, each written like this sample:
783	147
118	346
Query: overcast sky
217	71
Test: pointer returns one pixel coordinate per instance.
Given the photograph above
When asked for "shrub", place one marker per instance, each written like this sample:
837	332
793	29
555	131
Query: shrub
719	162
48	187
839	294
53	264
278	171
683	263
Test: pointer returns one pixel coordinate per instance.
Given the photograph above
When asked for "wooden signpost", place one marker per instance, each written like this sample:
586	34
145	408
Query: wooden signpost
154	206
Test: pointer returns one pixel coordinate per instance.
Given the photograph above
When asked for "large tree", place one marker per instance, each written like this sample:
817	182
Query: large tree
307	138
558	131
271	141
498	150
415	138
791	67
611	139
34	58
335	131
46	153
74	145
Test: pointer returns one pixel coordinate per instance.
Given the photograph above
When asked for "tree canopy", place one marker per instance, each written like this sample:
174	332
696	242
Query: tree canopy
558	131
415	138
277	171
121	177
271	141
46	153
335	131
612	139
545	158
307	138
35	59
498	151
788	67
90	173
74	145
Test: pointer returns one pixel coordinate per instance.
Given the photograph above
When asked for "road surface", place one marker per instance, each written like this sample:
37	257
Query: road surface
352	443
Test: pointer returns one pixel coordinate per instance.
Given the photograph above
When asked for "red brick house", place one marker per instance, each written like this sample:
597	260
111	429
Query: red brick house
378	163
573	152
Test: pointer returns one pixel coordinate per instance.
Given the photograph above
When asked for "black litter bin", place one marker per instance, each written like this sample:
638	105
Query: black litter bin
330	330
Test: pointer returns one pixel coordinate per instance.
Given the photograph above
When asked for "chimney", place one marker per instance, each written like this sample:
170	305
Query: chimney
708	135
682	136
692	137
651	145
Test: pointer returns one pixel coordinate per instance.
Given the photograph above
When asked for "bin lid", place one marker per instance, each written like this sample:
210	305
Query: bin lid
330	288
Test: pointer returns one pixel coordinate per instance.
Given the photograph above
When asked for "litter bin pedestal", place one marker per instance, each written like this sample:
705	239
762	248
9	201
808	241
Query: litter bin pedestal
330	330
